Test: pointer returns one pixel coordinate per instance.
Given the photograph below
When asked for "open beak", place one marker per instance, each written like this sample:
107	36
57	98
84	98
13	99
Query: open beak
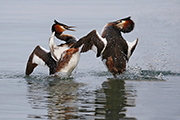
69	28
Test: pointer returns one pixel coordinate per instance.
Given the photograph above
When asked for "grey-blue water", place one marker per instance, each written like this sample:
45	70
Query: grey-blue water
148	90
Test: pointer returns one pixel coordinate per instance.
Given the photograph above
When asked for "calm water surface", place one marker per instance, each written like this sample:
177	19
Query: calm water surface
148	90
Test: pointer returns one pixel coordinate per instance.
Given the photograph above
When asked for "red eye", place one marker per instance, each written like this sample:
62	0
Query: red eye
65	27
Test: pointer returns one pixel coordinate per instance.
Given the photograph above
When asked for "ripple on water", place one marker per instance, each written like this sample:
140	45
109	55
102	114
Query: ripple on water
57	96
66	98
10	75
136	73
131	73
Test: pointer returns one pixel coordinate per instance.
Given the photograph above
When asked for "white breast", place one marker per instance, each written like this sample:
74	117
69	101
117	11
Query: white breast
58	51
72	63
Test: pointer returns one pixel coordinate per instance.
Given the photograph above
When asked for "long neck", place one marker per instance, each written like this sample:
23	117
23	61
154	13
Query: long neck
66	37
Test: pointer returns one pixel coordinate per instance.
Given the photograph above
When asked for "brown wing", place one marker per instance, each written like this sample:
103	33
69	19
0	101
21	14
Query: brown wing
40	57
92	41
131	48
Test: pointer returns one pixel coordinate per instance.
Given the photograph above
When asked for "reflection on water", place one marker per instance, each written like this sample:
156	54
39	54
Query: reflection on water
116	96
54	95
66	99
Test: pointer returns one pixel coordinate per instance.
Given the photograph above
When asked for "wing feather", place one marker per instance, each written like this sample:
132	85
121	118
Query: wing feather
92	41
131	48
40	56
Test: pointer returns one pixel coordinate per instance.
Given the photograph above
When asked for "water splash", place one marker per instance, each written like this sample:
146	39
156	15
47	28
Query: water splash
131	73
46	79
137	73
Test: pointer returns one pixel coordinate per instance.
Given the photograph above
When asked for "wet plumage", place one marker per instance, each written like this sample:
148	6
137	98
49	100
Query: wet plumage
114	50
60	58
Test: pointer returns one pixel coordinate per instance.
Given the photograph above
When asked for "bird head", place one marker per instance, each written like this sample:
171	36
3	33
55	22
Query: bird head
59	28
125	25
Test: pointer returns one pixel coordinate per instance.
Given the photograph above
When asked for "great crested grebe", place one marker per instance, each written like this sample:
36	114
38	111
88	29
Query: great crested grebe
61	58
114	50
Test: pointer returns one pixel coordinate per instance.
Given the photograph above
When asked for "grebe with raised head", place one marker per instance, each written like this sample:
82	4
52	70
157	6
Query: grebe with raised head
61	58
114	50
